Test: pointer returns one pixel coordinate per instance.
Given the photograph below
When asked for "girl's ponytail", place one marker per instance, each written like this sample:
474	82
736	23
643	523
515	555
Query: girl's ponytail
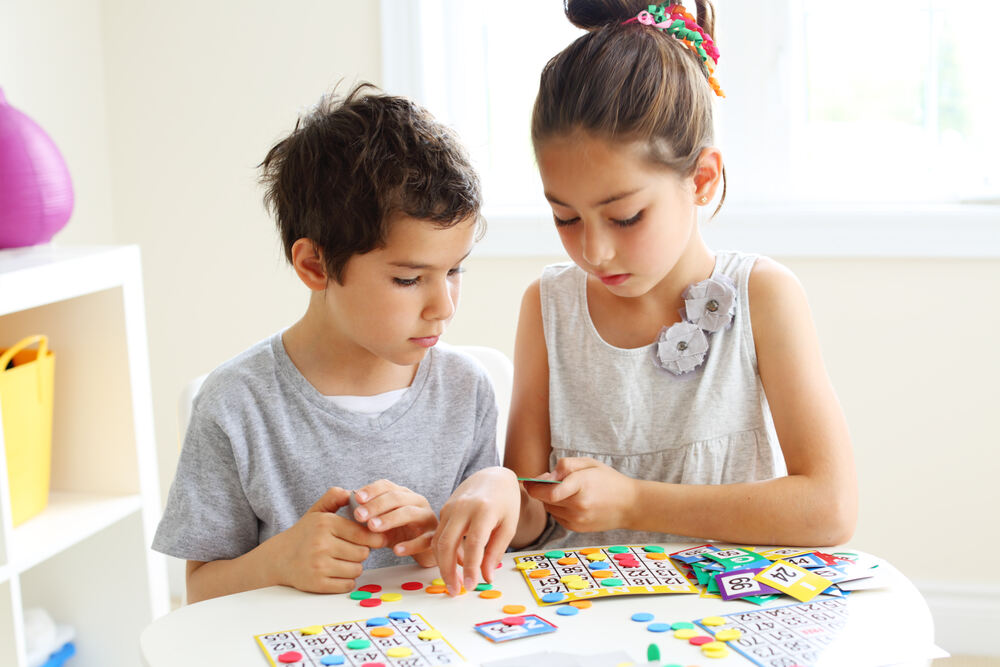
637	75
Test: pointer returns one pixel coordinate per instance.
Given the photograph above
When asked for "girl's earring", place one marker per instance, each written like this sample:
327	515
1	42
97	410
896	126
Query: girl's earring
703	200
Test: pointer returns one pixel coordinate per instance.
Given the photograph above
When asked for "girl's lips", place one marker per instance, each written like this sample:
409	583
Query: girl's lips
616	279
427	341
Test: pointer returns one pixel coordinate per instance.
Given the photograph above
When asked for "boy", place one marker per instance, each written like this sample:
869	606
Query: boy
377	206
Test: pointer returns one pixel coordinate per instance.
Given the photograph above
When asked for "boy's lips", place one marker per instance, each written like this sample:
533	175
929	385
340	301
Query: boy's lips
614	278
426	341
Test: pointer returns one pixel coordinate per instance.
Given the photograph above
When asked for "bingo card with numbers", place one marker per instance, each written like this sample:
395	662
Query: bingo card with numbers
785	636
400	640
564	575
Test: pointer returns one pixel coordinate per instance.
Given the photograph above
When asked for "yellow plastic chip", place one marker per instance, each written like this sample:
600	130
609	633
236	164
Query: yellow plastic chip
526	565
713	620
428	635
391	597
312	630
728	635
685	633
437	582
399	652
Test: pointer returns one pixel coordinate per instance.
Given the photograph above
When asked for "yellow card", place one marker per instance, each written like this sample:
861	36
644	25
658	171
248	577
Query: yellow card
793	580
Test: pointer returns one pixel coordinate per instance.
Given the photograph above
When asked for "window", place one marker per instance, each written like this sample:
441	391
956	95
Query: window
840	119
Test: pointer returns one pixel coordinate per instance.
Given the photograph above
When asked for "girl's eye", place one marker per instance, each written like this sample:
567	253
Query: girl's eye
562	223
628	222
406	282
458	270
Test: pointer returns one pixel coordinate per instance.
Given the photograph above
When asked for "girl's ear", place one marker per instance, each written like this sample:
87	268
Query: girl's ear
707	175
308	264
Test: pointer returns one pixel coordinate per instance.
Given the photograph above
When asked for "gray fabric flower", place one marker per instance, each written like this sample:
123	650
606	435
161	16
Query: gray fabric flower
711	303
681	348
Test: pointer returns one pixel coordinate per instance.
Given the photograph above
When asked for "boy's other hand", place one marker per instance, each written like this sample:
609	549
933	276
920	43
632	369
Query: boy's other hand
477	523
592	496
323	551
403	516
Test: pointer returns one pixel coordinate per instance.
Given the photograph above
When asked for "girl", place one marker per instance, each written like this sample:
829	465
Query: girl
671	389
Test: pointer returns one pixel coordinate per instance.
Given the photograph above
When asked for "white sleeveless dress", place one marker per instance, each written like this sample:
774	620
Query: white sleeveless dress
708	426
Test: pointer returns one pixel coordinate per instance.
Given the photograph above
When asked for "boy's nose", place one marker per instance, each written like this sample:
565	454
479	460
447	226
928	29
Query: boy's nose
442	304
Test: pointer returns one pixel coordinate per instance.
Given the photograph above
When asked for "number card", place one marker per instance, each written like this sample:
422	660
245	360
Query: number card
792	635
784	552
402	639
801	584
595	572
498	631
741	583
694	554
735	559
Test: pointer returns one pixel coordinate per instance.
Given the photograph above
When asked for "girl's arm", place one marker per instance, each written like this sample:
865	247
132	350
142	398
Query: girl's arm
528	438
816	504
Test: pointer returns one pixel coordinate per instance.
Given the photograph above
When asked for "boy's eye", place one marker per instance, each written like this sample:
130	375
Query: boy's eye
628	221
406	282
562	223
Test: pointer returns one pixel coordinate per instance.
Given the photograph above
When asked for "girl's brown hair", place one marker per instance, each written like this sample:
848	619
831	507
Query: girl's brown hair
353	162
629	82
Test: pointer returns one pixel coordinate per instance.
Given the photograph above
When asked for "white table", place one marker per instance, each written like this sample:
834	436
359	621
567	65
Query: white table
886	626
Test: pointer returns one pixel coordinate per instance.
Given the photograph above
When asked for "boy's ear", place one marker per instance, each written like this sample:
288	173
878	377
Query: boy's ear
707	174
308	264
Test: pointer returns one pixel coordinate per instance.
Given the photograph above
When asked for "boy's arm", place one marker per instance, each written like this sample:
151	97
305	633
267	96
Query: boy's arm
816	504
321	553
489	510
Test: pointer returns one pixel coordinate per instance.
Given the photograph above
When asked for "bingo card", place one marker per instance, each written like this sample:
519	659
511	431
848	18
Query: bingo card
559	576
785	636
401	639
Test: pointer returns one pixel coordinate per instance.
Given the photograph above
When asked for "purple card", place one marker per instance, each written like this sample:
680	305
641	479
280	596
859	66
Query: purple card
741	583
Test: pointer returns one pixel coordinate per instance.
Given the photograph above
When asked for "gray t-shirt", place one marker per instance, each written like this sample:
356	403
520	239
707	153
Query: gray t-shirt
263	445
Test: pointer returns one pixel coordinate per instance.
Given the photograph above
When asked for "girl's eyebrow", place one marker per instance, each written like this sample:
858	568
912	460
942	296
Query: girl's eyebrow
612	198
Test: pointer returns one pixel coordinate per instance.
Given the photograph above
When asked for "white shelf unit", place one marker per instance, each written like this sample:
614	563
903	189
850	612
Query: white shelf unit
86	558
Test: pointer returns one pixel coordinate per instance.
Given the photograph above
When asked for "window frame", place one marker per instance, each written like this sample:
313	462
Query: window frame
764	81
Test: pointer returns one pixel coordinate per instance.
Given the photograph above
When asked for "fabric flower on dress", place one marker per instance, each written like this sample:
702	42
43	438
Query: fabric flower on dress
681	347
709	307
711	303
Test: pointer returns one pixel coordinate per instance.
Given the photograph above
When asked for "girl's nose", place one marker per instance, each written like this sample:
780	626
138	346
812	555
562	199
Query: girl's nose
597	246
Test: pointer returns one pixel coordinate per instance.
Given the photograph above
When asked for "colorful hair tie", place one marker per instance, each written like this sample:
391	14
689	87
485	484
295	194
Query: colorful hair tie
678	23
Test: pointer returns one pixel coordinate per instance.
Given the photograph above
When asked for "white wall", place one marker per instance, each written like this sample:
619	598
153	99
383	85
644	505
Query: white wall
164	109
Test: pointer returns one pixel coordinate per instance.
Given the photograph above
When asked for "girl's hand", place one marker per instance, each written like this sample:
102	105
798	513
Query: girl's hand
403	516
592	496
477	524
323	551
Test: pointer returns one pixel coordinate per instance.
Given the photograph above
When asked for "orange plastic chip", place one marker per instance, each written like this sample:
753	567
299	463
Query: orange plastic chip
436	590
582	604
490	594
539	574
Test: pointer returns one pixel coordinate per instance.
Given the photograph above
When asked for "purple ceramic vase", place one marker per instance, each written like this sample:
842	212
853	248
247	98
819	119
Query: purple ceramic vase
36	193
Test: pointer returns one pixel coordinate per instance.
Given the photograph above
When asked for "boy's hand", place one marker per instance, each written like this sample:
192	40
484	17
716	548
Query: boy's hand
403	516
484	510
322	552
592	496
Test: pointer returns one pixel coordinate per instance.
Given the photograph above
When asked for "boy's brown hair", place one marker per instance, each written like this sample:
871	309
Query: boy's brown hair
353	162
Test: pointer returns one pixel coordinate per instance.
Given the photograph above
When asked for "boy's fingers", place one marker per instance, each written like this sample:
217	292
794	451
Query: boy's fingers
473	549
399	517
375	489
331	501
386	502
349	531
414	546
343	566
495	550
445	544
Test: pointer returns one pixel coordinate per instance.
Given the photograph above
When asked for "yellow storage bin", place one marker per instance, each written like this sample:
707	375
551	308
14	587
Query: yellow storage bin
26	411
